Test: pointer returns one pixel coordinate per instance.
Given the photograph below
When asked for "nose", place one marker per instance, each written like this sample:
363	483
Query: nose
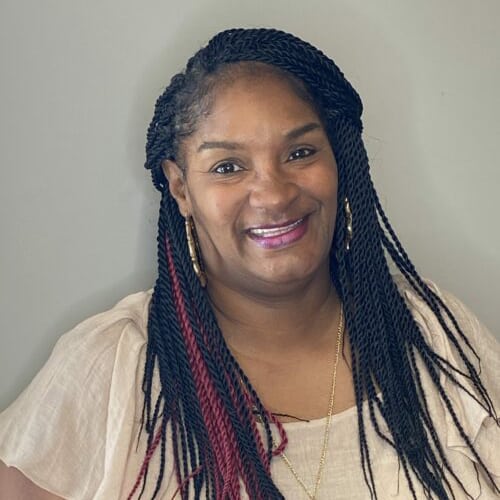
272	190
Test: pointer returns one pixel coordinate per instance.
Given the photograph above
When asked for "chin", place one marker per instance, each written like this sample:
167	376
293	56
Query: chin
290	274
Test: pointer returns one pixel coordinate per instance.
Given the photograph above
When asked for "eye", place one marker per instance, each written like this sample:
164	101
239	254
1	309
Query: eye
301	153
227	167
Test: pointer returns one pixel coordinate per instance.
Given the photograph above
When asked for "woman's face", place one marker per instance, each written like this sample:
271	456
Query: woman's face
260	182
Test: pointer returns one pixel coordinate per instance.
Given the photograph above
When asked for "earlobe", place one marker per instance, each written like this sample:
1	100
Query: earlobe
177	185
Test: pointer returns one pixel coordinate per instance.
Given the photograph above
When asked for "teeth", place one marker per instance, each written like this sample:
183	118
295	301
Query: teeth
275	231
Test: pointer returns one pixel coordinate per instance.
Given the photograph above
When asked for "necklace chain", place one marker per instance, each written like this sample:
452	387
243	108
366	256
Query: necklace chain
326	436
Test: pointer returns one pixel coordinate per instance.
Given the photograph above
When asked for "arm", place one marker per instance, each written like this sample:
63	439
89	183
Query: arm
14	485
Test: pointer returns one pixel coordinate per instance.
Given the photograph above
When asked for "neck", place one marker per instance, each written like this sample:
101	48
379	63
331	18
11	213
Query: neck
269	325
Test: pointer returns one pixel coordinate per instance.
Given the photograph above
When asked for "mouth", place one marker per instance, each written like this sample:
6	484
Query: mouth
278	236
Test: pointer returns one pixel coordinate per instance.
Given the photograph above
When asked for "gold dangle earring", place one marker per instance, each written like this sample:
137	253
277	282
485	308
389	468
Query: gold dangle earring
194	250
348	217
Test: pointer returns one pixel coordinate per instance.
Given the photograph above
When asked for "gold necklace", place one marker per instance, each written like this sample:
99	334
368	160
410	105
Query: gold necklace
326	436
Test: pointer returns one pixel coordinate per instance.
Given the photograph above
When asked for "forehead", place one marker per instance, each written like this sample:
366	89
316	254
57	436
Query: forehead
254	106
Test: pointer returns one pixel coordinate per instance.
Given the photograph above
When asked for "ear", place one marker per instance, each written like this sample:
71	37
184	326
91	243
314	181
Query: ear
177	186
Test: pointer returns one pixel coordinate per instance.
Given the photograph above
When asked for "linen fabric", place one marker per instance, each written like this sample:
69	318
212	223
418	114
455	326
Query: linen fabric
74	430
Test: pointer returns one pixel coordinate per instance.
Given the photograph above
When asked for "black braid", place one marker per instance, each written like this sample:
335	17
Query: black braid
384	337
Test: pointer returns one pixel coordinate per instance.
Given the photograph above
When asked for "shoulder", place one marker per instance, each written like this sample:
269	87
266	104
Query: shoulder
98	337
472	328
482	349
478	343
83	360
57	431
103	328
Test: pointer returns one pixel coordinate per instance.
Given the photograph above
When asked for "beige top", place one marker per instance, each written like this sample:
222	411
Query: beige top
73	431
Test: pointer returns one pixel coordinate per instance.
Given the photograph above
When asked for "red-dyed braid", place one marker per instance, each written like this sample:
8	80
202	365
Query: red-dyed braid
220	431
145	463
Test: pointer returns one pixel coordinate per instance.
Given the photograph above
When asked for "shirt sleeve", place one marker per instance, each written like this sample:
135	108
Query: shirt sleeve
479	426
484	430
57	431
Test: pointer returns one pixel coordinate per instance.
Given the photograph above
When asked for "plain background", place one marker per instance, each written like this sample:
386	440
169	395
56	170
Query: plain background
77	88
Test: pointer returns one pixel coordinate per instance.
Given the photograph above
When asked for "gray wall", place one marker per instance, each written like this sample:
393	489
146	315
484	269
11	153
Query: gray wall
77	87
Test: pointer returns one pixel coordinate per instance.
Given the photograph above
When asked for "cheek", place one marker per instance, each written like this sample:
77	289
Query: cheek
325	187
331	184
215	210
325	191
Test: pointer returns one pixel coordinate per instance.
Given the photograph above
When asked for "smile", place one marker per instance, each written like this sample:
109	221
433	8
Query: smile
279	236
275	231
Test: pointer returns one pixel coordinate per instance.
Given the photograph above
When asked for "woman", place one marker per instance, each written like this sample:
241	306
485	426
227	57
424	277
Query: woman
277	356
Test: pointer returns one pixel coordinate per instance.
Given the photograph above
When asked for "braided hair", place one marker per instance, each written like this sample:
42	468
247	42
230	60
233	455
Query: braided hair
204	396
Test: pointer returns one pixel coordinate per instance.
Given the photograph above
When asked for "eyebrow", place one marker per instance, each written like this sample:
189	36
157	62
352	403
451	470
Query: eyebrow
291	135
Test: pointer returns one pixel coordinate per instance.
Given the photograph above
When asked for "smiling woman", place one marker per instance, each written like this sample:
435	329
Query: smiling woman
261	190
276	357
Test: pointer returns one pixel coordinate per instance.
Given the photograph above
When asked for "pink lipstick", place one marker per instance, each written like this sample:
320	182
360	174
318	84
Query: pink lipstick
272	237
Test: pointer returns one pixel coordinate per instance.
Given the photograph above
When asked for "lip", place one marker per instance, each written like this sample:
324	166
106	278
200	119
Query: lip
277	225
274	236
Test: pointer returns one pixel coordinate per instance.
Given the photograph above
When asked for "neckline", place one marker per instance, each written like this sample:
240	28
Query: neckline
319	421
311	424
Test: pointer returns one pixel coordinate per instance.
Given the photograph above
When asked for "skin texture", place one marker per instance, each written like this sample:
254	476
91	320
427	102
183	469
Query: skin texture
276	307
15	486
268	186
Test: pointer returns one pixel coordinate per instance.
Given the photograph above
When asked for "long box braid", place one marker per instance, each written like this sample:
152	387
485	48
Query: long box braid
205	397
